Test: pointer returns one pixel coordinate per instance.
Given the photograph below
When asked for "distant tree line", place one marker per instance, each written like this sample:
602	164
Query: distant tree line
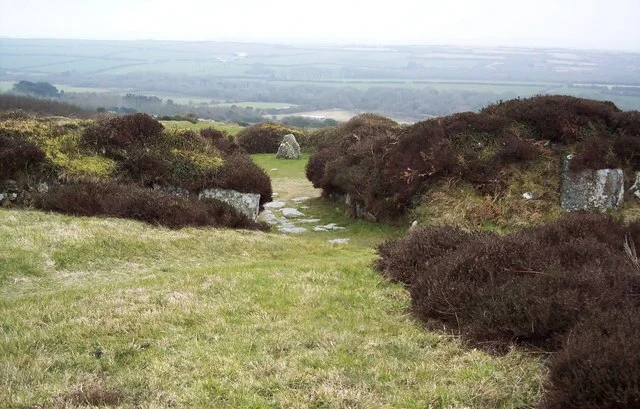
36	89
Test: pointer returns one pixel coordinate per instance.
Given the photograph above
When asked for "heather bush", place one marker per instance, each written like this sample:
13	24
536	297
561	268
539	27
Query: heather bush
594	153
266	137
599	366
221	140
557	118
112	136
387	169
239	172
528	288
133	202
17	155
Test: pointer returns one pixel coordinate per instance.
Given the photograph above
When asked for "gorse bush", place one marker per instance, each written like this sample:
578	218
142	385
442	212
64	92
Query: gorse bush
133	202
266	137
386	168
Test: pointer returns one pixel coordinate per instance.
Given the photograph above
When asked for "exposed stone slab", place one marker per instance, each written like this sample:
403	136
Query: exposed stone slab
591	190
246	203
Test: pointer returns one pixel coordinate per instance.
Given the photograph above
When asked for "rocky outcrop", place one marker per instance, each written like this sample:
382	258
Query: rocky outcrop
246	203
289	148
591	190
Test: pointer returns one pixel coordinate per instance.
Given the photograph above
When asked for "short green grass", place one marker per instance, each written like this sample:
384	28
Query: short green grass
123	314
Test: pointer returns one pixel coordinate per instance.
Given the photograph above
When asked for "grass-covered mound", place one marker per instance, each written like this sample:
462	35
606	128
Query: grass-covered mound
130	150
472	168
569	285
266	137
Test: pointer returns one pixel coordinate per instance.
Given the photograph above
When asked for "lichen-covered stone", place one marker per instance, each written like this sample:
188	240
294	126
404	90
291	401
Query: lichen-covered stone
591	190
289	148
246	203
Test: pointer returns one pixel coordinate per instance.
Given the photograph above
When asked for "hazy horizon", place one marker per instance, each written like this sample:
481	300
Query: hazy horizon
497	23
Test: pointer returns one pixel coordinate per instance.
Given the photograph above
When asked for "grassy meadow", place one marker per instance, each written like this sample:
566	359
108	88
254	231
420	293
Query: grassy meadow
116	313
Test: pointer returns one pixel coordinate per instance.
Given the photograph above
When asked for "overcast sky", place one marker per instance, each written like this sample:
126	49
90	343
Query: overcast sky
591	24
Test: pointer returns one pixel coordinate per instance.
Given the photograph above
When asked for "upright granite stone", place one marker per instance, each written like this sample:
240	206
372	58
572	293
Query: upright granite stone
590	190
246	203
289	148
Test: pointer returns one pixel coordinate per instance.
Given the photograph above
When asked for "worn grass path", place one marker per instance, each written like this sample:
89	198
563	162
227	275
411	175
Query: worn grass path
108	312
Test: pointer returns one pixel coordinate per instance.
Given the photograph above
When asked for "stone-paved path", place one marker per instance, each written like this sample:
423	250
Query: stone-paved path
288	217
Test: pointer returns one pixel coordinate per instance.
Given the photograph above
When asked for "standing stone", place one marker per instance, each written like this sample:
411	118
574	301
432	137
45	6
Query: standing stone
245	203
601	189
289	148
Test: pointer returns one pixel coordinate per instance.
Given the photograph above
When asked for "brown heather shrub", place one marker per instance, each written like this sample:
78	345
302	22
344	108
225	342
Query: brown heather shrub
527	288
133	202
17	155
515	150
627	123
241	173
558	118
112	135
266	137
593	153
626	149
599	366
387	169
221	140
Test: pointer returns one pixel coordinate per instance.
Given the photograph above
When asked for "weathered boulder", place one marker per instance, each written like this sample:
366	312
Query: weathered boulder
246	203
289	148
601	189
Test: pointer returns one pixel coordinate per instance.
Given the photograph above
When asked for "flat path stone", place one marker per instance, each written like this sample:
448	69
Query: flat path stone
291	212
308	220
331	226
275	205
292	230
338	241
300	199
